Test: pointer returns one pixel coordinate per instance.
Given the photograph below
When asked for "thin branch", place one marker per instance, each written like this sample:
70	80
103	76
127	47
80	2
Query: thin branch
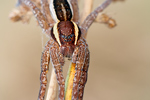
87	8
53	85
22	12
75	7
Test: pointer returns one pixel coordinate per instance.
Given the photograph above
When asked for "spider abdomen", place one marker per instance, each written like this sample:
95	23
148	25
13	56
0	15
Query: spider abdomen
61	10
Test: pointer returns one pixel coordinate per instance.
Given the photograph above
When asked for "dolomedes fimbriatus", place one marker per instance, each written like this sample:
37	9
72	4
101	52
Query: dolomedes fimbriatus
66	40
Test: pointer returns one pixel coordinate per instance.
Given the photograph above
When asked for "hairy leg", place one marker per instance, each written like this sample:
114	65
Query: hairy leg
44	69
90	18
38	14
46	12
56	62
75	7
82	46
84	76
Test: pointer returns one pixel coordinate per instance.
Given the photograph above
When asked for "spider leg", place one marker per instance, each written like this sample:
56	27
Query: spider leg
84	76
82	46
38	14
46	12
91	17
44	69
57	64
75	8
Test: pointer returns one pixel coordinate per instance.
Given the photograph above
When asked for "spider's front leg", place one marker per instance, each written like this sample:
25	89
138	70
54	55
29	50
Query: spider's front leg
38	14
80	62
44	69
57	62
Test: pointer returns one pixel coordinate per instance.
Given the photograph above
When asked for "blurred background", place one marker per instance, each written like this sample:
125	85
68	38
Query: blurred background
120	57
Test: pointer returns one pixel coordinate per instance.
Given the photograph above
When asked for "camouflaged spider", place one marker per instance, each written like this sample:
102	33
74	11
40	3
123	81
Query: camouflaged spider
61	24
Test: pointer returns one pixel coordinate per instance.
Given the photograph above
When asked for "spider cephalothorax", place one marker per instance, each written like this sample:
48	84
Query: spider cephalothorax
66	34
66	40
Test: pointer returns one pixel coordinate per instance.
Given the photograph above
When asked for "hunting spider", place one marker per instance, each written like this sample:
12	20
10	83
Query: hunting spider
60	21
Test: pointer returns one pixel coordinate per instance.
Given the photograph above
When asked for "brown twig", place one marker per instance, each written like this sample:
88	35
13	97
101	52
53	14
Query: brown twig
87	8
53	87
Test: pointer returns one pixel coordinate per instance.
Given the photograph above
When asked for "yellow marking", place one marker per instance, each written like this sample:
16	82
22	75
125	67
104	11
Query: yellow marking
56	34
76	32
46	71
70	82
44	82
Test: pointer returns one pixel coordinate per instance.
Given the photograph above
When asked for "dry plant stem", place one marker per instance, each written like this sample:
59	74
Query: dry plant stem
75	7
22	13
105	19
52	89
88	5
90	19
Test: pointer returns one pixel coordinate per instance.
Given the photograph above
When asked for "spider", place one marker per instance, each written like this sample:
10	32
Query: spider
61	22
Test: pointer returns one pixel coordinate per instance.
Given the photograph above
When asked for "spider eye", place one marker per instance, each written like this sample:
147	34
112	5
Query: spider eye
62	36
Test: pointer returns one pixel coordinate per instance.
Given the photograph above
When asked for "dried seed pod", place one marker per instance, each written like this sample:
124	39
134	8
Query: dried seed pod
104	18
15	15
22	12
